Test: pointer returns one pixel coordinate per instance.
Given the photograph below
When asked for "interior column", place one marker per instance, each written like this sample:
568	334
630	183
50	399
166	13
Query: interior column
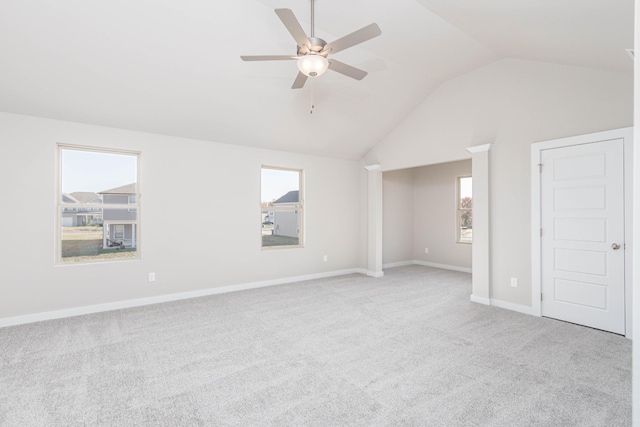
374	221
480	248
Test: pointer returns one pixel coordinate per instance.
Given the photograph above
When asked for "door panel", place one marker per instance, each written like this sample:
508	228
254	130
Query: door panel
581	293
579	167
580	198
582	214
580	229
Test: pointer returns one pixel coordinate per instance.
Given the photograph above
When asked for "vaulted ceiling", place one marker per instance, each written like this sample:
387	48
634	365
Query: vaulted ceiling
173	67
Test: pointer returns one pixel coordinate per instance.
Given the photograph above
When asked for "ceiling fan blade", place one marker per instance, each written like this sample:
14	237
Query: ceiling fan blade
347	70
295	29
357	37
299	82
267	57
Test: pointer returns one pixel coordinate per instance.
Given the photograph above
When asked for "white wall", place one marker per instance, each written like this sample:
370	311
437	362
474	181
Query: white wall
216	244
435	214
511	104
398	216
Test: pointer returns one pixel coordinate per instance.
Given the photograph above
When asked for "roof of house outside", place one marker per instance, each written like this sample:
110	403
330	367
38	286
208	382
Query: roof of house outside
84	196
68	198
291	197
125	189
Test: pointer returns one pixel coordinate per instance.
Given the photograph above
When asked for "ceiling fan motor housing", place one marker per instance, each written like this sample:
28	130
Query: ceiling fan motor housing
315	45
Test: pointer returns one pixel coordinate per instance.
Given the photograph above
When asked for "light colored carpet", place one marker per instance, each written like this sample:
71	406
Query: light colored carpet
406	349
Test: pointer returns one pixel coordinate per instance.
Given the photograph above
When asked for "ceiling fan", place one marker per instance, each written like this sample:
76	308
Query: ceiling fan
312	52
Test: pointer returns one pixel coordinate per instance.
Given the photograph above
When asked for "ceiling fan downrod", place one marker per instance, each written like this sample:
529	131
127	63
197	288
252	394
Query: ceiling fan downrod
313	18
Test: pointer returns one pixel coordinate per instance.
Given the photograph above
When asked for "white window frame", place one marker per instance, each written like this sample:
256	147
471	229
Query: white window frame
60	205
298	209
460	210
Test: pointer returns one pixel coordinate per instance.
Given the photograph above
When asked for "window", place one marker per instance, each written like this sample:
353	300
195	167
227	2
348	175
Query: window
464	222
118	231
282	207
132	201
98	205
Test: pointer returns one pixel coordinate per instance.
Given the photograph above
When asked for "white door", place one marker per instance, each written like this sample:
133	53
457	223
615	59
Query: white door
582	241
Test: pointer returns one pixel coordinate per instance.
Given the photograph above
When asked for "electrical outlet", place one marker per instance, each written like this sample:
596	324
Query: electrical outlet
514	282
152	277
325	259
426	250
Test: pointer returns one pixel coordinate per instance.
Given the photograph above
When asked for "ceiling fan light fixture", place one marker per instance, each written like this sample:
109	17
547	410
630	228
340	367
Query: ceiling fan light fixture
312	52
313	65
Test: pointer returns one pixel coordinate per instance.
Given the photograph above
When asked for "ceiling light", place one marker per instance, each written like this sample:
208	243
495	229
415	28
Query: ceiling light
313	65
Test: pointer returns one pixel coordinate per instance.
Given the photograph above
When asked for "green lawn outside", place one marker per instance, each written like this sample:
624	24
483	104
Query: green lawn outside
84	244
275	240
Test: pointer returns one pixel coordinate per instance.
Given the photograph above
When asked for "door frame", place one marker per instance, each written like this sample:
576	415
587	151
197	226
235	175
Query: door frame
626	134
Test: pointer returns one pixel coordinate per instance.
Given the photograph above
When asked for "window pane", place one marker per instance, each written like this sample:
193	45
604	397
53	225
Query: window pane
280	186
466	193
86	238
283	231
464	218
466	226
280	206
91	182
87	175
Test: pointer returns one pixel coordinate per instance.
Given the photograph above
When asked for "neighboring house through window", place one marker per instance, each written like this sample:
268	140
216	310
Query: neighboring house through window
98	205
120	220
88	215
464	197
282	207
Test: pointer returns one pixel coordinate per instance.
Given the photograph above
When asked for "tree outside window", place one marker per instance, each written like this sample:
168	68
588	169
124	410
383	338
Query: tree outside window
464	210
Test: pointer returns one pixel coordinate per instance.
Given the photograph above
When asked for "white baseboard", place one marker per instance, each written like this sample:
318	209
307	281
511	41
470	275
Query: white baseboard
98	308
374	273
443	266
480	300
513	307
398	264
426	264
503	304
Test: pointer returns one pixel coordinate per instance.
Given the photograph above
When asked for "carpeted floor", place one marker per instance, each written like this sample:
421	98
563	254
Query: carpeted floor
407	349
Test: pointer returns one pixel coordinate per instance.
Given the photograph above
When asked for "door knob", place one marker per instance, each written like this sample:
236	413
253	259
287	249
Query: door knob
615	246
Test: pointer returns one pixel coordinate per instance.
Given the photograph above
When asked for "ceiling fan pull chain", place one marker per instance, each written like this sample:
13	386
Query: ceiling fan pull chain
312	104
